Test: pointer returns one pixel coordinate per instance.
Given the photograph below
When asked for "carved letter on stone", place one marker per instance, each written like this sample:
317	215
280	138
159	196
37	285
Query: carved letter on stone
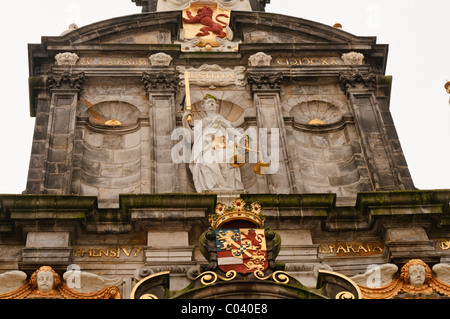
66	59
259	59
160	59
353	58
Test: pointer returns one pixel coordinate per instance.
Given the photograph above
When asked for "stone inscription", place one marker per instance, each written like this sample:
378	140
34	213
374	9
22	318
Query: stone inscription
305	61
115	61
352	249
213	75
108	252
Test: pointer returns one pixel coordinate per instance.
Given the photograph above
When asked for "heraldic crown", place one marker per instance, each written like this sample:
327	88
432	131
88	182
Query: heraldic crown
238	211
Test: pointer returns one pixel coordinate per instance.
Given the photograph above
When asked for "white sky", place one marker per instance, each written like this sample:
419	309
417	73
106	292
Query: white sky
419	61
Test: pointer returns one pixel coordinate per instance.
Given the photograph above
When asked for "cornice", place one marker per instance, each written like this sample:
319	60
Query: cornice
429	206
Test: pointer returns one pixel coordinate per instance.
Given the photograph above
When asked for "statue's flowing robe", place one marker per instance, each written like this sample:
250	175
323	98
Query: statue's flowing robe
212	151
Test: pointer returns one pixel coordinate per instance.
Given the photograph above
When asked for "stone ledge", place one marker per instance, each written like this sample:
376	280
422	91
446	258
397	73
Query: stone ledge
432	205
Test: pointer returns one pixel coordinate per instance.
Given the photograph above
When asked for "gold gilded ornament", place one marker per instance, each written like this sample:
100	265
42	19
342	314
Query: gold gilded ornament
422	284
45	283
237	211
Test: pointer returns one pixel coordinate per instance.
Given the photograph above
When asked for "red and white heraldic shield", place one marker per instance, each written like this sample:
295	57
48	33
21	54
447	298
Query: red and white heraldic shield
243	250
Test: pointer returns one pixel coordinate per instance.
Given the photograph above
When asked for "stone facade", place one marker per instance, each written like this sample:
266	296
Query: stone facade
105	194
336	131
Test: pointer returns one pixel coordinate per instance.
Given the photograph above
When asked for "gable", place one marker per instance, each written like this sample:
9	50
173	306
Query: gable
249	27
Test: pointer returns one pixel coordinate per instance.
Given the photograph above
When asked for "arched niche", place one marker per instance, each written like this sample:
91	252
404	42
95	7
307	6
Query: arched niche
326	151
113	114
111	161
316	113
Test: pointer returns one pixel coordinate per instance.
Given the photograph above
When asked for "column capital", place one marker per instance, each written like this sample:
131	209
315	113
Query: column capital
160	81
66	81
357	81
265	82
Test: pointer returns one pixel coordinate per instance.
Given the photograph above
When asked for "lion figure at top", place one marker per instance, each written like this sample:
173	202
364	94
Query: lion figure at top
205	17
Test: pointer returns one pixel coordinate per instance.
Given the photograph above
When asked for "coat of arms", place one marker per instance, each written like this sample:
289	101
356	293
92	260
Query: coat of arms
206	25
242	250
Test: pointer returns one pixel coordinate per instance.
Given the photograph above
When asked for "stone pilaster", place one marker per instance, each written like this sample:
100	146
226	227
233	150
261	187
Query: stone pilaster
161	89
53	143
266	88
65	89
361	92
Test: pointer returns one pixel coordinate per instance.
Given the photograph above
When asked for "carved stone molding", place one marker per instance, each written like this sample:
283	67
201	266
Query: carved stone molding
66	81
357	81
160	81
265	82
260	59
414	280
353	58
46	283
160	59
66	59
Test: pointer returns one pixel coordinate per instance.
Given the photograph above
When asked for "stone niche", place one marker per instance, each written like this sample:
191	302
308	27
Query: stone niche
111	162
326	151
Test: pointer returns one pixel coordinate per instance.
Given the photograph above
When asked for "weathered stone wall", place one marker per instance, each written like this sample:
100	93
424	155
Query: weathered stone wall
154	233
336	200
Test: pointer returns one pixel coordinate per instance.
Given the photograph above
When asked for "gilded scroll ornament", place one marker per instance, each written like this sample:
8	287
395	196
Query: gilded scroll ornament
345	295
209	277
415	280
45	283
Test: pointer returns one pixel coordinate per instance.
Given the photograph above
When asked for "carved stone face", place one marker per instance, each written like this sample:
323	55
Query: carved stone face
210	106
45	281
417	275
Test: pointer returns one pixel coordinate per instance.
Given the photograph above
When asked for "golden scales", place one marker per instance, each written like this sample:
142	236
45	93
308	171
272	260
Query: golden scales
237	160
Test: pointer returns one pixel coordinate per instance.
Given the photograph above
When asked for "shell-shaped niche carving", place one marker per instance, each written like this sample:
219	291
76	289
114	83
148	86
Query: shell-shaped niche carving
316	113
228	110
112	113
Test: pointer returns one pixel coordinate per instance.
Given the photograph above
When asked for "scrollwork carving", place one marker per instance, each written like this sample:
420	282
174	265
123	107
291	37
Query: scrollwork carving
160	81
265	82
45	283
357	81
260	59
414	280
66	81
66	59
353	58
160	59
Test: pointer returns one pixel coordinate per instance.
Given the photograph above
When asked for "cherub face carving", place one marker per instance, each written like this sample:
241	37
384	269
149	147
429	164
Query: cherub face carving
45	281
417	275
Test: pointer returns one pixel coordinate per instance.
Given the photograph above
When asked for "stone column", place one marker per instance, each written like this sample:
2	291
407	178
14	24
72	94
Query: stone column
266	89
360	90
64	89
161	90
